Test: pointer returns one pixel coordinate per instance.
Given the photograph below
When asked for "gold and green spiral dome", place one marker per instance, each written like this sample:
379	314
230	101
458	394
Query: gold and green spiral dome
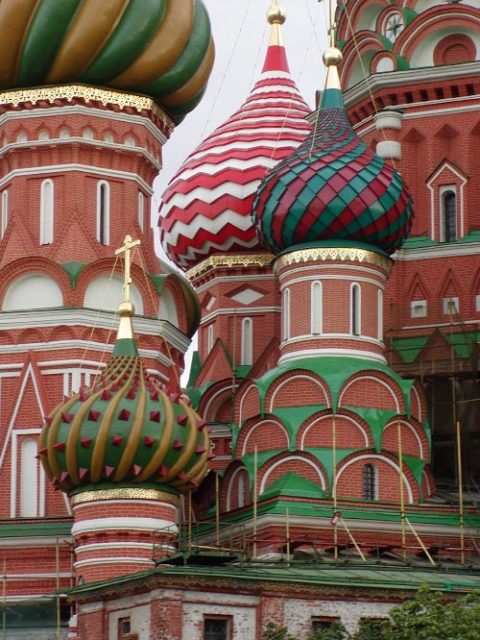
161	48
125	430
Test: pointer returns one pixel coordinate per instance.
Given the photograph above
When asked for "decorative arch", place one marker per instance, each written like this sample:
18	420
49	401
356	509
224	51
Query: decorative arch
349	479
105	293
238	489
297	388
247	403
413	438
32	291
358	391
267	434
350	431
300	463
168	307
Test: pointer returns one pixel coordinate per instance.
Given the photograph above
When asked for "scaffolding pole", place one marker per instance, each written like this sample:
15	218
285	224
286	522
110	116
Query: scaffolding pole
461	512
255	500
402	491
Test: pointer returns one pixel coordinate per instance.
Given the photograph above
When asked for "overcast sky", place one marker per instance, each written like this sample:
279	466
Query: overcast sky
241	35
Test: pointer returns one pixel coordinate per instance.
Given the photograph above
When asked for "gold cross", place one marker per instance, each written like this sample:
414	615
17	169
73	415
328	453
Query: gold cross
128	245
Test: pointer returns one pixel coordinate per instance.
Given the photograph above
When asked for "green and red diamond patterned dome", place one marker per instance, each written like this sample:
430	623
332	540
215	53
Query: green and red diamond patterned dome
333	188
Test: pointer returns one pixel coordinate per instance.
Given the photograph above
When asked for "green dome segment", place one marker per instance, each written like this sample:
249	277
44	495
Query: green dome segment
157	47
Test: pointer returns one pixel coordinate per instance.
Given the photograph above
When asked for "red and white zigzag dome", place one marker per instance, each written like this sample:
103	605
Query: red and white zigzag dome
206	209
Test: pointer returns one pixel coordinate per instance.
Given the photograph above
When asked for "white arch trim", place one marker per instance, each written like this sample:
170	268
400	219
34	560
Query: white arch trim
288	459
381	458
414	391
257	426
244	397
329	416
397	405
299	377
412	429
231	485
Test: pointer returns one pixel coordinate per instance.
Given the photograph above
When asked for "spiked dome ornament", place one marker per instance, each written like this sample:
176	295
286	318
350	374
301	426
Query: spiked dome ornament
126	429
206	209
333	187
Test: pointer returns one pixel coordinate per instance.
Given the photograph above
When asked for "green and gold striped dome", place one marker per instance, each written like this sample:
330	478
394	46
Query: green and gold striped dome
161	48
126	429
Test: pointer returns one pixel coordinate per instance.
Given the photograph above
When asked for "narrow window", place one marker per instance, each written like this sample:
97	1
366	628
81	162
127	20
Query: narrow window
29	479
241	490
316	308
247	341
22	137
216	628
321	624
4	212
380	314
103	212
210	338
87	134
124	628
286	314
46	212
369	482
64	134
43	135
449	200
355	305
141	210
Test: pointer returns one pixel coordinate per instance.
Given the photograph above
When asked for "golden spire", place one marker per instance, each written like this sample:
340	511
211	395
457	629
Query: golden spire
126	308
332	56
276	16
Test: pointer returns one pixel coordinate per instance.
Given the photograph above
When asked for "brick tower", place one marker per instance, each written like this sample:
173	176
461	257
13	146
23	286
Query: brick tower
82	125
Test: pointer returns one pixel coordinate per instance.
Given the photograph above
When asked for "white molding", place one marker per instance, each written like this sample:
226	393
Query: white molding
98	546
334	336
80	168
231	279
241	311
320	277
412	429
277	422
85	111
116	560
128	524
332	353
318	269
444	250
301	376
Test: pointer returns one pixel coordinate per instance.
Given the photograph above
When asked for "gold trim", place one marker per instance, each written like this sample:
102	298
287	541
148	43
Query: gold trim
68	92
124	493
322	254
241	260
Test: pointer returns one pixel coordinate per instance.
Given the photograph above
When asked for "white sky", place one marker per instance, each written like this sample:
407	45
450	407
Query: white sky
241	35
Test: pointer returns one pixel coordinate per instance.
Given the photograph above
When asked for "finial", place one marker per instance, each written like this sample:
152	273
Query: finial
332	56
126	308
276	16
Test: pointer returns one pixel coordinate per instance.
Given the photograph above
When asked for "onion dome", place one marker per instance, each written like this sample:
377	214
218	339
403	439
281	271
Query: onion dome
126	430
333	187
206	208
162	48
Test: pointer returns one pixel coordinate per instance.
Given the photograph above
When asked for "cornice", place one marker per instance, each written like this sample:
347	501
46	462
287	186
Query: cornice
229	261
391	79
323	254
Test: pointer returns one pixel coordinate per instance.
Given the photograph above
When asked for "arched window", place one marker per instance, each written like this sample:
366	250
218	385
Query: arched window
87	134
247	341
355	308
129	141
449	207
103	212
4	212
43	135
209	338
316	308
108	137
286	314
380	314
29	479
370	491
22	137
46	212
141	210
64	133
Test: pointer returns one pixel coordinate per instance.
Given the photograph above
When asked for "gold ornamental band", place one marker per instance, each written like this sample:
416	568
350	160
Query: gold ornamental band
240	260
68	92
124	493
323	254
